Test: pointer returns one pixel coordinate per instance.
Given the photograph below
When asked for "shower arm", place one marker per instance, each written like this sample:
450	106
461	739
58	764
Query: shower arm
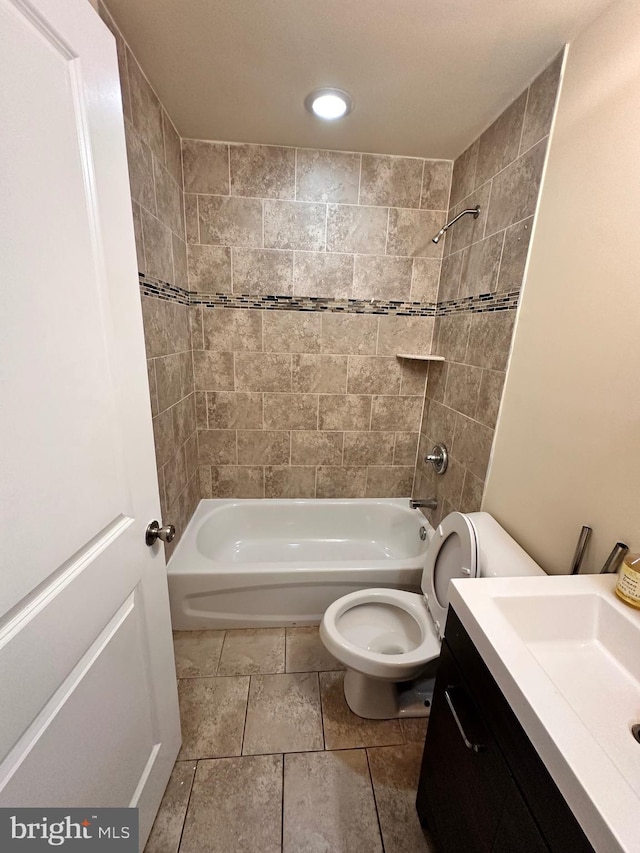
474	211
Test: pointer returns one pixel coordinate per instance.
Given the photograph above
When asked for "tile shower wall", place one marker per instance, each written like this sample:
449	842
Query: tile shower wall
484	261
303	403
155	176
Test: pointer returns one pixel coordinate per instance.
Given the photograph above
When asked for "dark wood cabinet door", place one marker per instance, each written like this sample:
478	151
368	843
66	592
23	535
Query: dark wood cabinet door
518	831
464	780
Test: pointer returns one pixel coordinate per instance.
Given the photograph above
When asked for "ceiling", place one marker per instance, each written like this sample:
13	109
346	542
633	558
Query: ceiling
426	76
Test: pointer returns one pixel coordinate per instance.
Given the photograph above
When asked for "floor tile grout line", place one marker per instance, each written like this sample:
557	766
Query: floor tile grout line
246	714
282	810
375	799
324	741
186	811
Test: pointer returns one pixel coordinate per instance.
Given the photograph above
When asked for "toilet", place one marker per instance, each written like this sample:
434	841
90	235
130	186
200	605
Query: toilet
389	639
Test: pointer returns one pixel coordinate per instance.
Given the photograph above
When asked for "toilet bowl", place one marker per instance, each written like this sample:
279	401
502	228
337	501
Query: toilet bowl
389	640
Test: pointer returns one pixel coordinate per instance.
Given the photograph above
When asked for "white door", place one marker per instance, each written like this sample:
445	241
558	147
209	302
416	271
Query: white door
88	701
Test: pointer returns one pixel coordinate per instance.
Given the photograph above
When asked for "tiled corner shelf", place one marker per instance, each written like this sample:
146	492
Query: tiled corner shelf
420	357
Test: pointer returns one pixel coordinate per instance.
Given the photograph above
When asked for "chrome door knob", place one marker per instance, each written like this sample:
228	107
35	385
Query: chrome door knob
154	532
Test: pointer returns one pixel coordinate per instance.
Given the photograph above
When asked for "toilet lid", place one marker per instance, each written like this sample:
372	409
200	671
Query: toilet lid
452	554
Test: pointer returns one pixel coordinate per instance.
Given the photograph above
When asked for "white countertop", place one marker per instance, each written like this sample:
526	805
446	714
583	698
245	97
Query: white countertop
602	793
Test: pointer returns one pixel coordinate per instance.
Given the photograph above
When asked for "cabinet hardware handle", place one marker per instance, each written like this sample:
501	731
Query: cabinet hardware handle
476	747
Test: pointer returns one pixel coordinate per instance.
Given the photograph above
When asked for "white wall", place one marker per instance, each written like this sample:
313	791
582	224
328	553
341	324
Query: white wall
567	448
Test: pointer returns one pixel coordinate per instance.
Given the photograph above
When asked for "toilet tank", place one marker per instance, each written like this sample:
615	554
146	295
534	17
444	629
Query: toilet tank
499	555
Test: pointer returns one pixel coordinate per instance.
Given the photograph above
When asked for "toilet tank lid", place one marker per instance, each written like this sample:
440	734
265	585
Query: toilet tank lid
499	555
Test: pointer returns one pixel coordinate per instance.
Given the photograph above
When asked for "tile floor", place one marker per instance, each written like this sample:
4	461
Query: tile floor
273	760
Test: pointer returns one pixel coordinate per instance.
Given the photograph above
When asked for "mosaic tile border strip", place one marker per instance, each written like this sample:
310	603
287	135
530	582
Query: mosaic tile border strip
485	303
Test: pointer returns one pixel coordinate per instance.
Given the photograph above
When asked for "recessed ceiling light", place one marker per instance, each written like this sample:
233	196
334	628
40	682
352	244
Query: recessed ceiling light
329	104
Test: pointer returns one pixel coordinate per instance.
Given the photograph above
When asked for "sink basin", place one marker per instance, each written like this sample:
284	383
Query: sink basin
590	650
564	652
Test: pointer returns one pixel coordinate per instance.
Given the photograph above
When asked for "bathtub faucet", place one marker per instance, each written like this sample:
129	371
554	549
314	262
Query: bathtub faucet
429	503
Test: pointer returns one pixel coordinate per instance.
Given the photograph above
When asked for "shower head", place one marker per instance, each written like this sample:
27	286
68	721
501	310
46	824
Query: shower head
474	211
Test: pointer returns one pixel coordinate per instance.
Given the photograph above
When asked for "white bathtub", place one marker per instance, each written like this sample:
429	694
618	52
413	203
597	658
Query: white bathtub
260	563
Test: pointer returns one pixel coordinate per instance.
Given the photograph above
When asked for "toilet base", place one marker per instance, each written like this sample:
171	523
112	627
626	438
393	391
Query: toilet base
375	699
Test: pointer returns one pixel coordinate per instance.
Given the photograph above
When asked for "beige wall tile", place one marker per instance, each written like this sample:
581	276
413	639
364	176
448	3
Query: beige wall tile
361	230
316	448
154	318
294	225
206	167
172	149
137	230
463	387
234	410
373	375
439	423
153	393
324	374
264	171
157	248
236	481
237	802
413	377
378	277
322	274
405	448
191	218
174	378
368	448
349	334
436	183
411	232
232	329
450	277
344	482
540	105
140	164
291	331
175	476
480	264
178	333
230	221
396	413
472	445
393	482
291	411
471	493
217	447
390	181
263	272
424	280
264	447
184	419
500	142
179	249
168	199
145	108
489	397
289	481
201	409
453	336
195	326
209	269
344	412
514	255
213	371
404	334
263	372
328	798
469	230
463	179
490	339
205	481
327	176
437	382
163	436
515	190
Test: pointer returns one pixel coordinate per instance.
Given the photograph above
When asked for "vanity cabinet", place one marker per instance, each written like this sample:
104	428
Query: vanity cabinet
483	787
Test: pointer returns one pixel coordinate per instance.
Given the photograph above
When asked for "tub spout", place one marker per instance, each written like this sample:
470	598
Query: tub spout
429	503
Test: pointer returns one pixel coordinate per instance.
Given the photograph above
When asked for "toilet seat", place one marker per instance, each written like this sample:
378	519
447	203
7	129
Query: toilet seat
357	650
452	553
